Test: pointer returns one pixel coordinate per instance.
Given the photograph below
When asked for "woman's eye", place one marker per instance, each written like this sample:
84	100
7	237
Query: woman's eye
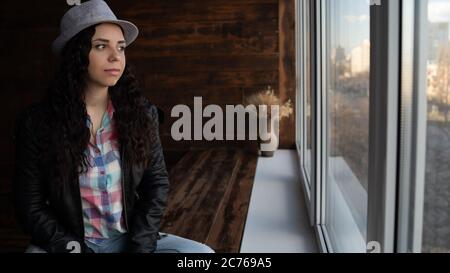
122	48
100	46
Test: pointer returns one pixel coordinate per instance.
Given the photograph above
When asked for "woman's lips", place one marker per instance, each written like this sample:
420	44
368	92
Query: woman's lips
113	72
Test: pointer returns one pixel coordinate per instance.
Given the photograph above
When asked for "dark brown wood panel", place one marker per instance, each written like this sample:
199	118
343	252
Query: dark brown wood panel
157	12
12	241
287	84
213	39
219	45
222	50
174	80
209	95
206	63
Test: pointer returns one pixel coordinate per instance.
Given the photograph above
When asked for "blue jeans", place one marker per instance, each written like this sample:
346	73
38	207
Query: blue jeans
168	243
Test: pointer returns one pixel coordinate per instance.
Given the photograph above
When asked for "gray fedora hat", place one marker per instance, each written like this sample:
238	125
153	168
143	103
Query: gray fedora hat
88	14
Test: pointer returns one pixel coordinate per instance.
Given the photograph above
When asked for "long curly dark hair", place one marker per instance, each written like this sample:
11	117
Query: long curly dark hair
66	132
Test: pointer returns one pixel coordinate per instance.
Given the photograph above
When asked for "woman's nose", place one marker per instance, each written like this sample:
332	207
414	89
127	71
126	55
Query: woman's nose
114	56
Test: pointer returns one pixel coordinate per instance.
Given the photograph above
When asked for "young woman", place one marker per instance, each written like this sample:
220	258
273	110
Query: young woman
90	173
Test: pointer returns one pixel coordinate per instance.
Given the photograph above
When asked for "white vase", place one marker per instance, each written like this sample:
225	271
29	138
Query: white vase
267	148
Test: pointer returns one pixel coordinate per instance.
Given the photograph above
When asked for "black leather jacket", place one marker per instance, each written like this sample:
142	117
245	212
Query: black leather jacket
53	221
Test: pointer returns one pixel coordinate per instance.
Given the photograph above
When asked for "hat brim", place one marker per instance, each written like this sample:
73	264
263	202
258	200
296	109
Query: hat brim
130	33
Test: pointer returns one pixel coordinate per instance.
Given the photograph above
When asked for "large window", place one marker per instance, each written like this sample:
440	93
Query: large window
436	220
375	104
347	90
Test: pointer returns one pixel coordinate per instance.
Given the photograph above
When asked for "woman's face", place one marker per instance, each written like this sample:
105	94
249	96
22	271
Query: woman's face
107	55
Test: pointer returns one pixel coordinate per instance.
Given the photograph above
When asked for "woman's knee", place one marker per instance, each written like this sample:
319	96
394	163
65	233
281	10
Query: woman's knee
206	249
197	247
182	245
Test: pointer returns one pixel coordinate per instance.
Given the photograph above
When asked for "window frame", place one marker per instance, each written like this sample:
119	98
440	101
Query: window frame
413	126
310	12
397	121
384	122
302	9
324	130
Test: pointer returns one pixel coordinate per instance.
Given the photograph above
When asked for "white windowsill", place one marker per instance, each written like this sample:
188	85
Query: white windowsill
277	219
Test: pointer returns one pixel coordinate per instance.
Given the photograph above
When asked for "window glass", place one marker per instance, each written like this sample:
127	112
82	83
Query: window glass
347	90
436	221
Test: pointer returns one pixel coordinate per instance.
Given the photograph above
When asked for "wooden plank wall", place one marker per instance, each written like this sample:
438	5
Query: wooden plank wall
222	50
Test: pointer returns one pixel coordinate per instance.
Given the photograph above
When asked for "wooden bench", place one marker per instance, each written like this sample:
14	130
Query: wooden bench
209	197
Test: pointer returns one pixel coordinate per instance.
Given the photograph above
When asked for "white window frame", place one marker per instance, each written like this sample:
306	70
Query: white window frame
413	126
397	137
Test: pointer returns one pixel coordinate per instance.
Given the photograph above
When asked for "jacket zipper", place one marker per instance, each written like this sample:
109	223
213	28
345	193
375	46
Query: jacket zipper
123	191
81	210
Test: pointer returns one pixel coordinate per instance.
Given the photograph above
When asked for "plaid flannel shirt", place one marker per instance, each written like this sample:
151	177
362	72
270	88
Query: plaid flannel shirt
100	186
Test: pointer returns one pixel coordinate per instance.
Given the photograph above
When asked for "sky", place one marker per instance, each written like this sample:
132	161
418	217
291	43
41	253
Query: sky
350	20
439	11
